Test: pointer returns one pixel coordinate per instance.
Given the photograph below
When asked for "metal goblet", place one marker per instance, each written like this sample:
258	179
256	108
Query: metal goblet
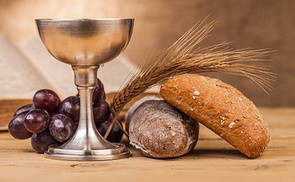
85	44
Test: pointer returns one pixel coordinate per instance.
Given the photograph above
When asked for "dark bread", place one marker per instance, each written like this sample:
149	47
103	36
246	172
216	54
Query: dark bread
135	105
160	130
220	107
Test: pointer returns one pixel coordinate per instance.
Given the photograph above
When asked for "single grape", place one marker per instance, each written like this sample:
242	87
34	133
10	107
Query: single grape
98	92
37	120
115	135
24	108
61	127
17	128
46	99
71	108
41	141
101	111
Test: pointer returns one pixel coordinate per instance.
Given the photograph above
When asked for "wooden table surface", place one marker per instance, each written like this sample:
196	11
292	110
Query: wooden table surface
212	160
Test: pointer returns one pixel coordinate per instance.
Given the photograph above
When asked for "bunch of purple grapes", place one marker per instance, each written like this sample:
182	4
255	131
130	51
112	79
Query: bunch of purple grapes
50	121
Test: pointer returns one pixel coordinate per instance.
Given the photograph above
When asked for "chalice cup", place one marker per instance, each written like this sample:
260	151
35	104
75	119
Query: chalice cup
85	44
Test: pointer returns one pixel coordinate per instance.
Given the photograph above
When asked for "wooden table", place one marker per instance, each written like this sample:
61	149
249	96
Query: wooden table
212	160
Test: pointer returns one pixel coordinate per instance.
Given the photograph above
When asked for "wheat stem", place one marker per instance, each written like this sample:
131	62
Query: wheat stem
183	57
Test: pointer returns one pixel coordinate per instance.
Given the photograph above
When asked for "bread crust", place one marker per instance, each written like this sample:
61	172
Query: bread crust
220	107
160	130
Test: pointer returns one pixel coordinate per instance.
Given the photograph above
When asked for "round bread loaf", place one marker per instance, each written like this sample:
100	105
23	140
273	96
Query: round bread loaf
220	107
160	130
134	106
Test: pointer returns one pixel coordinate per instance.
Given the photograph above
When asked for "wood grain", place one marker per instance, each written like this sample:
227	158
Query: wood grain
212	160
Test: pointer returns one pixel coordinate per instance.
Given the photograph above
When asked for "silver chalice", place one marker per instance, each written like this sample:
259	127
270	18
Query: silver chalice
85	44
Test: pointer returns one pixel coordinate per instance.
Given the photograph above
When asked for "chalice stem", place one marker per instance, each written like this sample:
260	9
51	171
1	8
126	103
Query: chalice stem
86	118
85	80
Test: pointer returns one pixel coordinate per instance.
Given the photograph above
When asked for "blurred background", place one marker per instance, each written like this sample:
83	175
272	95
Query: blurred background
158	23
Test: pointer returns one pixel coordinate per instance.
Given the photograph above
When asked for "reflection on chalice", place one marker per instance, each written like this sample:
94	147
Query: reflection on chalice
85	44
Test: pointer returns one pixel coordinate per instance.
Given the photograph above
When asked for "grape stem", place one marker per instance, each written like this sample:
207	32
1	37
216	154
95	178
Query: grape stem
115	119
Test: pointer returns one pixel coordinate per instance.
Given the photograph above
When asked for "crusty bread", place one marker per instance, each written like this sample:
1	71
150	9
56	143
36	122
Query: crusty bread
160	130
135	105
220	107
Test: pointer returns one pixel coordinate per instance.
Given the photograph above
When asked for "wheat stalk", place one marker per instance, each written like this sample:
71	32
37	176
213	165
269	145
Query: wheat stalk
183	57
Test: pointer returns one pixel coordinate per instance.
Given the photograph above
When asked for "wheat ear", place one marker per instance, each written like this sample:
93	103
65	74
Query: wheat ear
184	57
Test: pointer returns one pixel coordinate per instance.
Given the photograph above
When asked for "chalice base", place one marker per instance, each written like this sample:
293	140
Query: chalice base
118	152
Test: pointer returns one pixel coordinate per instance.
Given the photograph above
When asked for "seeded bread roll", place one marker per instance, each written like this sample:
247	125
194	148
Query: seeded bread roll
221	108
160	130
